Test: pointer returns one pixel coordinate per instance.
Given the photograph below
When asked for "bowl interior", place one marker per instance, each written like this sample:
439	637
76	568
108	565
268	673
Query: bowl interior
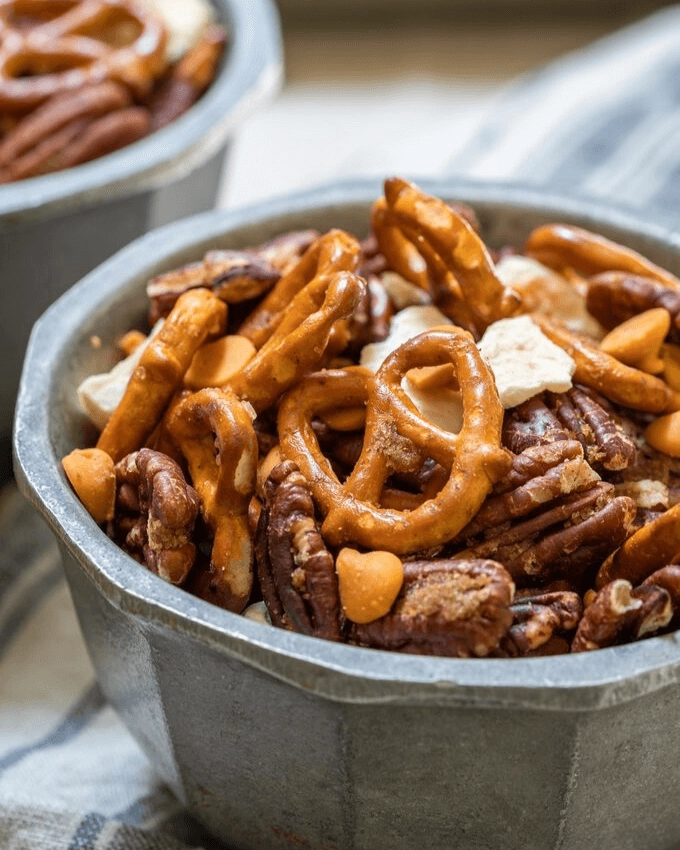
75	338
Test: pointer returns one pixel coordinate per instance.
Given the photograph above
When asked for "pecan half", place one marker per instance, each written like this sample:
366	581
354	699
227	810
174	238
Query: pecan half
153	486
295	569
235	276
614	297
454	608
566	539
577	414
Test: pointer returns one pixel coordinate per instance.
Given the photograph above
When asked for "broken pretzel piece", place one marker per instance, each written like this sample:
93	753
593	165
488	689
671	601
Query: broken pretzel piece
560	246
197	315
214	432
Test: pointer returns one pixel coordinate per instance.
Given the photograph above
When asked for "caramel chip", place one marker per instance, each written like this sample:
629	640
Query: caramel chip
91	474
664	434
637	341
215	363
369	583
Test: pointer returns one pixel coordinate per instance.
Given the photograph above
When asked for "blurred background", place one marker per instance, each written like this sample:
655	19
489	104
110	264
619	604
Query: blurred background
375	87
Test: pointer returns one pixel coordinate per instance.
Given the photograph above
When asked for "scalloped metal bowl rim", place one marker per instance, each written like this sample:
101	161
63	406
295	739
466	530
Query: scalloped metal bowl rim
251	69
578	682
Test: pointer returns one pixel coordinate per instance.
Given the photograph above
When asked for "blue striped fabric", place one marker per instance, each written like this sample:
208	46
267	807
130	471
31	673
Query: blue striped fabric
602	122
71	776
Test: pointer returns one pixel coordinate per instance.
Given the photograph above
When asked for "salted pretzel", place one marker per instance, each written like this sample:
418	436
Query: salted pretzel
561	246
600	371
214	432
434	247
51	46
398	438
335	251
197	315
298	344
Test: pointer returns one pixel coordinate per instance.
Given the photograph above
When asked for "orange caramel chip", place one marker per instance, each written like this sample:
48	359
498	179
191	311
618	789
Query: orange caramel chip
664	434
344	419
368	583
670	354
638	340
130	342
92	476
215	363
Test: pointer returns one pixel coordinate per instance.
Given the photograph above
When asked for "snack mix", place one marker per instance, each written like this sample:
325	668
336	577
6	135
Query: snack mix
409	442
83	78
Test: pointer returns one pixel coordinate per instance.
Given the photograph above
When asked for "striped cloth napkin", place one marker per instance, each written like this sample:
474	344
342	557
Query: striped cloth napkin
603	122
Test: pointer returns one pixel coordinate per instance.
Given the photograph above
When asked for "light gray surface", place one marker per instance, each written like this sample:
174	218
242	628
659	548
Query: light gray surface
56	228
270	737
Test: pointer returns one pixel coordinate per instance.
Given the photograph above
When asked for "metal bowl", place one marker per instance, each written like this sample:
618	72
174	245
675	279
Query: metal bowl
274	739
54	229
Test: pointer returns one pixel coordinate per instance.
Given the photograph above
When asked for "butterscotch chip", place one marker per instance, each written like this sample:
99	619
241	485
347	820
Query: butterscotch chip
368	583
217	362
670	354
130	342
664	434
344	419
92	476
635	341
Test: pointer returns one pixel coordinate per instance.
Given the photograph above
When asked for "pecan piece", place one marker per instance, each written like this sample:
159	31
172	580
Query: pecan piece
568	538
189	79
453	608
614	297
539	618
295	569
153	485
370	321
650	548
235	276
532	423
668	578
612	611
618	613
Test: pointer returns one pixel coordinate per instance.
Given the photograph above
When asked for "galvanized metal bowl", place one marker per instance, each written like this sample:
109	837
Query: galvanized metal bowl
56	228
274	739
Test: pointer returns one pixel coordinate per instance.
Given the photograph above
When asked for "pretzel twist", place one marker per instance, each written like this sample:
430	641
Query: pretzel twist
397	438
65	52
298	344
434	247
336	251
197	315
